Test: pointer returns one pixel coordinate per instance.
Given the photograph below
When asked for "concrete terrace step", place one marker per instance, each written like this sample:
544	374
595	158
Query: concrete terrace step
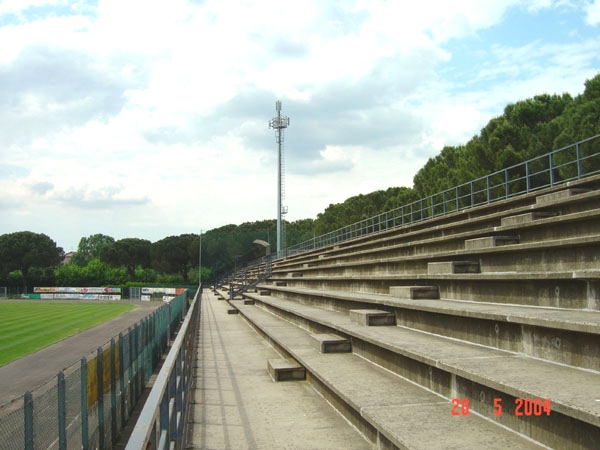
285	370
453	267
509	222
415	292
583	321
459	369
490	241
560	195
504	279
331	343
372	317
526	218
583	274
572	289
389	410
514	251
236	405
548	333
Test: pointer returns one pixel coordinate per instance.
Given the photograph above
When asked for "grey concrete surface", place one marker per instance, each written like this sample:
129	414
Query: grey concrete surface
32	371
407	415
587	321
573	391
238	405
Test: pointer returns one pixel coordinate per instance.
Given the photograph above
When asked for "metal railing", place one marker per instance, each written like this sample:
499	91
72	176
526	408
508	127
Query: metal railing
569	163
89	403
162	421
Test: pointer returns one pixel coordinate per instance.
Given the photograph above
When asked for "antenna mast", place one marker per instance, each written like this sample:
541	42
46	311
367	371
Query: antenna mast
279	123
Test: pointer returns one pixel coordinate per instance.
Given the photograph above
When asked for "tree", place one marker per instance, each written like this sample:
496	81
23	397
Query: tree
24	249
128	252
299	231
69	275
403	196
582	119
355	209
91	247
176	254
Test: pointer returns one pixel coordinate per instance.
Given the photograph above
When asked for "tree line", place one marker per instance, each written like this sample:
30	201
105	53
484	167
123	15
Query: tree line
30	259
526	129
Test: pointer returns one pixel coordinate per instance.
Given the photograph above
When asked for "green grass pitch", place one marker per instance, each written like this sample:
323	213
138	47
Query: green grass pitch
27	326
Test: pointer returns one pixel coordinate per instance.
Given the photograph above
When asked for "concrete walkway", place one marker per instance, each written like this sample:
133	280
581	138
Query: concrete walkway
31	371
238	405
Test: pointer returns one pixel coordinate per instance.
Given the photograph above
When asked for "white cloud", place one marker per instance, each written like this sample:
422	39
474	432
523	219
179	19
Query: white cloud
16	6
333	158
431	20
452	123
144	108
592	9
63	31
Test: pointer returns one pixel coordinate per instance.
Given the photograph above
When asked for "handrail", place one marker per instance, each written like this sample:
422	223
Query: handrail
565	164
161	422
550	169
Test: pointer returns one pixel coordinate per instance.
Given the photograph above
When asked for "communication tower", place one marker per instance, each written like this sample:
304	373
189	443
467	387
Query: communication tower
279	124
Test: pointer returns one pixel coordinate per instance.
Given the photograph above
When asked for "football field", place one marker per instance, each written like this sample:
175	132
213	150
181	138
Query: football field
27	326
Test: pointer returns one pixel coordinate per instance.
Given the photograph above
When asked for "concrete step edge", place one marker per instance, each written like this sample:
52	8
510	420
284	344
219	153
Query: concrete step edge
515	389
379	417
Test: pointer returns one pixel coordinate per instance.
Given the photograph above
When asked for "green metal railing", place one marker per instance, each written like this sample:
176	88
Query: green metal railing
569	163
161	423
89	403
573	162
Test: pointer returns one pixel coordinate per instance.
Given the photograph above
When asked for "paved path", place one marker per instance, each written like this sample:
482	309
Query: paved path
31	371
238	405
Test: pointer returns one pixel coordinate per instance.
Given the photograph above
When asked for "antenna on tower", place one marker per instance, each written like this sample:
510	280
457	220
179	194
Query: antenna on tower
280	123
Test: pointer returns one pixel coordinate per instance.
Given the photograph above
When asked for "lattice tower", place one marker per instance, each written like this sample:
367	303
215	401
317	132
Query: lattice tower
279	124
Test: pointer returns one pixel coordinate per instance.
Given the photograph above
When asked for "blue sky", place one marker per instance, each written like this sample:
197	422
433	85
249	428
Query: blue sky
149	118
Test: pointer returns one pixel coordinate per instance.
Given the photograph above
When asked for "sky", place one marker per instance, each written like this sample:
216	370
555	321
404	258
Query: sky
148	118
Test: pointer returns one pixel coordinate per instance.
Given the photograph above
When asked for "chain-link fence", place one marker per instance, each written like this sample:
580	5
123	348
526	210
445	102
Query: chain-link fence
88	404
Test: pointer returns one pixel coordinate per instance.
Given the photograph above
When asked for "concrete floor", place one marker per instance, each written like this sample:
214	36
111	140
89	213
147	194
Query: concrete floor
239	406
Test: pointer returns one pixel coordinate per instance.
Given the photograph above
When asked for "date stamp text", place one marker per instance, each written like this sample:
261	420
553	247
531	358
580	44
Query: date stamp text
523	407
